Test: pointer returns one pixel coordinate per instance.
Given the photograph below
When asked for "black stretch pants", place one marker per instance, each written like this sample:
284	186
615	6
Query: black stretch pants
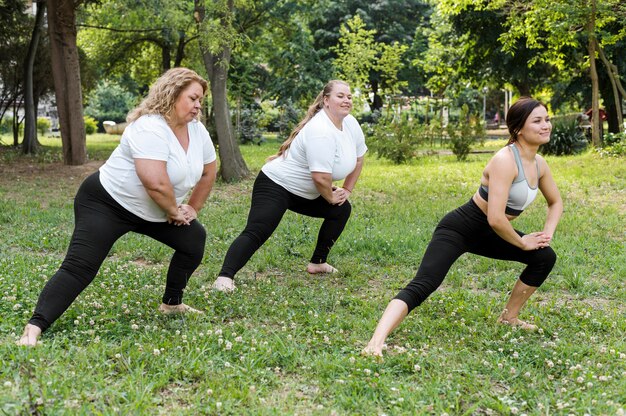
270	201
99	222
466	230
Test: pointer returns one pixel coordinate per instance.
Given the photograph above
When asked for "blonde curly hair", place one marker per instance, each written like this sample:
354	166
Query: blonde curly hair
164	93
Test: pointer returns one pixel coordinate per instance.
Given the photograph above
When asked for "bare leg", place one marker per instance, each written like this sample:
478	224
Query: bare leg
519	295
30	335
224	284
395	313
315	268
181	308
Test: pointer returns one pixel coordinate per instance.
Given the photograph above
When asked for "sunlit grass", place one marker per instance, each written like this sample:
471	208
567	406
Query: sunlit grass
287	342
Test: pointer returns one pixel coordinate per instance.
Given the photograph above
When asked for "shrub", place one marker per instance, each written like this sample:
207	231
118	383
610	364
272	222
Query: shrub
566	138
109	101
396	139
43	125
249	131
91	125
466	132
611	139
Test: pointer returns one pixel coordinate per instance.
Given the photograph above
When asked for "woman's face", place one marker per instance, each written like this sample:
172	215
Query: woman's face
339	102
187	106
537	127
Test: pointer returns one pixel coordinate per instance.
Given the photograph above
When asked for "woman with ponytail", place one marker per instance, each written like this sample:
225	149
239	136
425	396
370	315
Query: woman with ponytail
482	226
327	145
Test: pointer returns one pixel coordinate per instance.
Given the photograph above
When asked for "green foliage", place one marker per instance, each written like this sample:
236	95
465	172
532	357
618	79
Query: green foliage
469	130
611	139
109	101
43	125
6	125
356	54
566	138
395	138
614	144
248	125
91	125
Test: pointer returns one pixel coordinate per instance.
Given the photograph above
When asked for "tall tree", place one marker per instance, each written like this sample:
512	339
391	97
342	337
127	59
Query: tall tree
554	26
66	73
217	37
30	142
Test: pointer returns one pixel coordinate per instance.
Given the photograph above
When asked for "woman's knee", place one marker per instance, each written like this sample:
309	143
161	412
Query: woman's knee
539	269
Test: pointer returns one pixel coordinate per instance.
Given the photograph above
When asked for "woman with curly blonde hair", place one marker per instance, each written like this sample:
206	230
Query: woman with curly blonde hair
164	153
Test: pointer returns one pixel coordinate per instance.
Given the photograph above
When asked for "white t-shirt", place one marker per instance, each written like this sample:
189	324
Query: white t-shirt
318	147
149	137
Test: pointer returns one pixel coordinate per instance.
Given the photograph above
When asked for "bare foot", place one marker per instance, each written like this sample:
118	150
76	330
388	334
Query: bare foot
315	268
516	322
182	308
30	335
372	351
224	284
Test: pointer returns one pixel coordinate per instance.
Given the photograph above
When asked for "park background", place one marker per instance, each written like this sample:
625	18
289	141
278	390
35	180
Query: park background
428	78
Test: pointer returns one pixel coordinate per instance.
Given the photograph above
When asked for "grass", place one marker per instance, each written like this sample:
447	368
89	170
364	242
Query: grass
289	343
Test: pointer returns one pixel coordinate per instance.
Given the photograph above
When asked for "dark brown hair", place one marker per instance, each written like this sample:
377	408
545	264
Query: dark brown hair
518	113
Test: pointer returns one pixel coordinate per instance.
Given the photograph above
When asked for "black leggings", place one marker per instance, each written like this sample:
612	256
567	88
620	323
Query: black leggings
270	201
99	222
466	230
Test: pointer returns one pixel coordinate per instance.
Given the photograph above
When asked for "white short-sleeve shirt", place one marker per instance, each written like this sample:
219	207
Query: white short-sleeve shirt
149	137
319	147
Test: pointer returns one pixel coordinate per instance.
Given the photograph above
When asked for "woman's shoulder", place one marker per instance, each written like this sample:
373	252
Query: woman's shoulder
148	122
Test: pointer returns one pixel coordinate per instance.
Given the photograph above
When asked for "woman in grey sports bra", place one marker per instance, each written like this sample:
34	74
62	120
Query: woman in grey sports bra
483	225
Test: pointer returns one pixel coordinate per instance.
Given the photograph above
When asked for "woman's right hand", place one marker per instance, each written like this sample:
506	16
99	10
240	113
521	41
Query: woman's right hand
180	218
535	241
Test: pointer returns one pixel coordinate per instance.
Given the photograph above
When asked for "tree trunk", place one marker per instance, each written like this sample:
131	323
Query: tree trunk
596	139
66	74
232	165
30	142
615	84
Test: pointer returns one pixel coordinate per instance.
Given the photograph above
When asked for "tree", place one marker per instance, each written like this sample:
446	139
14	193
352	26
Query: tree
14	29
30	142
554	26
124	38
214	19
66	74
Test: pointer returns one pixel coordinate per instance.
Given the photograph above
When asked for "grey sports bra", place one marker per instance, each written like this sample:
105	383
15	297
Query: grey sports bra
520	194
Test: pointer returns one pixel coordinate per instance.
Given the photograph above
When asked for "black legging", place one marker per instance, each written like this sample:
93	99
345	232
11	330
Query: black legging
99	222
466	230
270	201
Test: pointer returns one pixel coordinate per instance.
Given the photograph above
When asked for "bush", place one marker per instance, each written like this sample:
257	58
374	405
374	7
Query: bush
611	139
396	139
566	138
43	125
91	125
249	131
469	130
6	125
109	101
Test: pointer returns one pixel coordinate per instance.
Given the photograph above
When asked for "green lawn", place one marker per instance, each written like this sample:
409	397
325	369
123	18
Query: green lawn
289	343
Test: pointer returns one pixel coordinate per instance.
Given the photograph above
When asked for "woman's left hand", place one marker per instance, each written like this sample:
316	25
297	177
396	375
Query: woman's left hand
188	211
340	195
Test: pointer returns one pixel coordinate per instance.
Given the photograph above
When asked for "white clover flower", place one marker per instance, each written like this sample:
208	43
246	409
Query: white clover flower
512	371
134	327
367	371
580	380
7	384
229	345
209	392
417	367
352	360
226	364
156	352
239	339
514	410
118	355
